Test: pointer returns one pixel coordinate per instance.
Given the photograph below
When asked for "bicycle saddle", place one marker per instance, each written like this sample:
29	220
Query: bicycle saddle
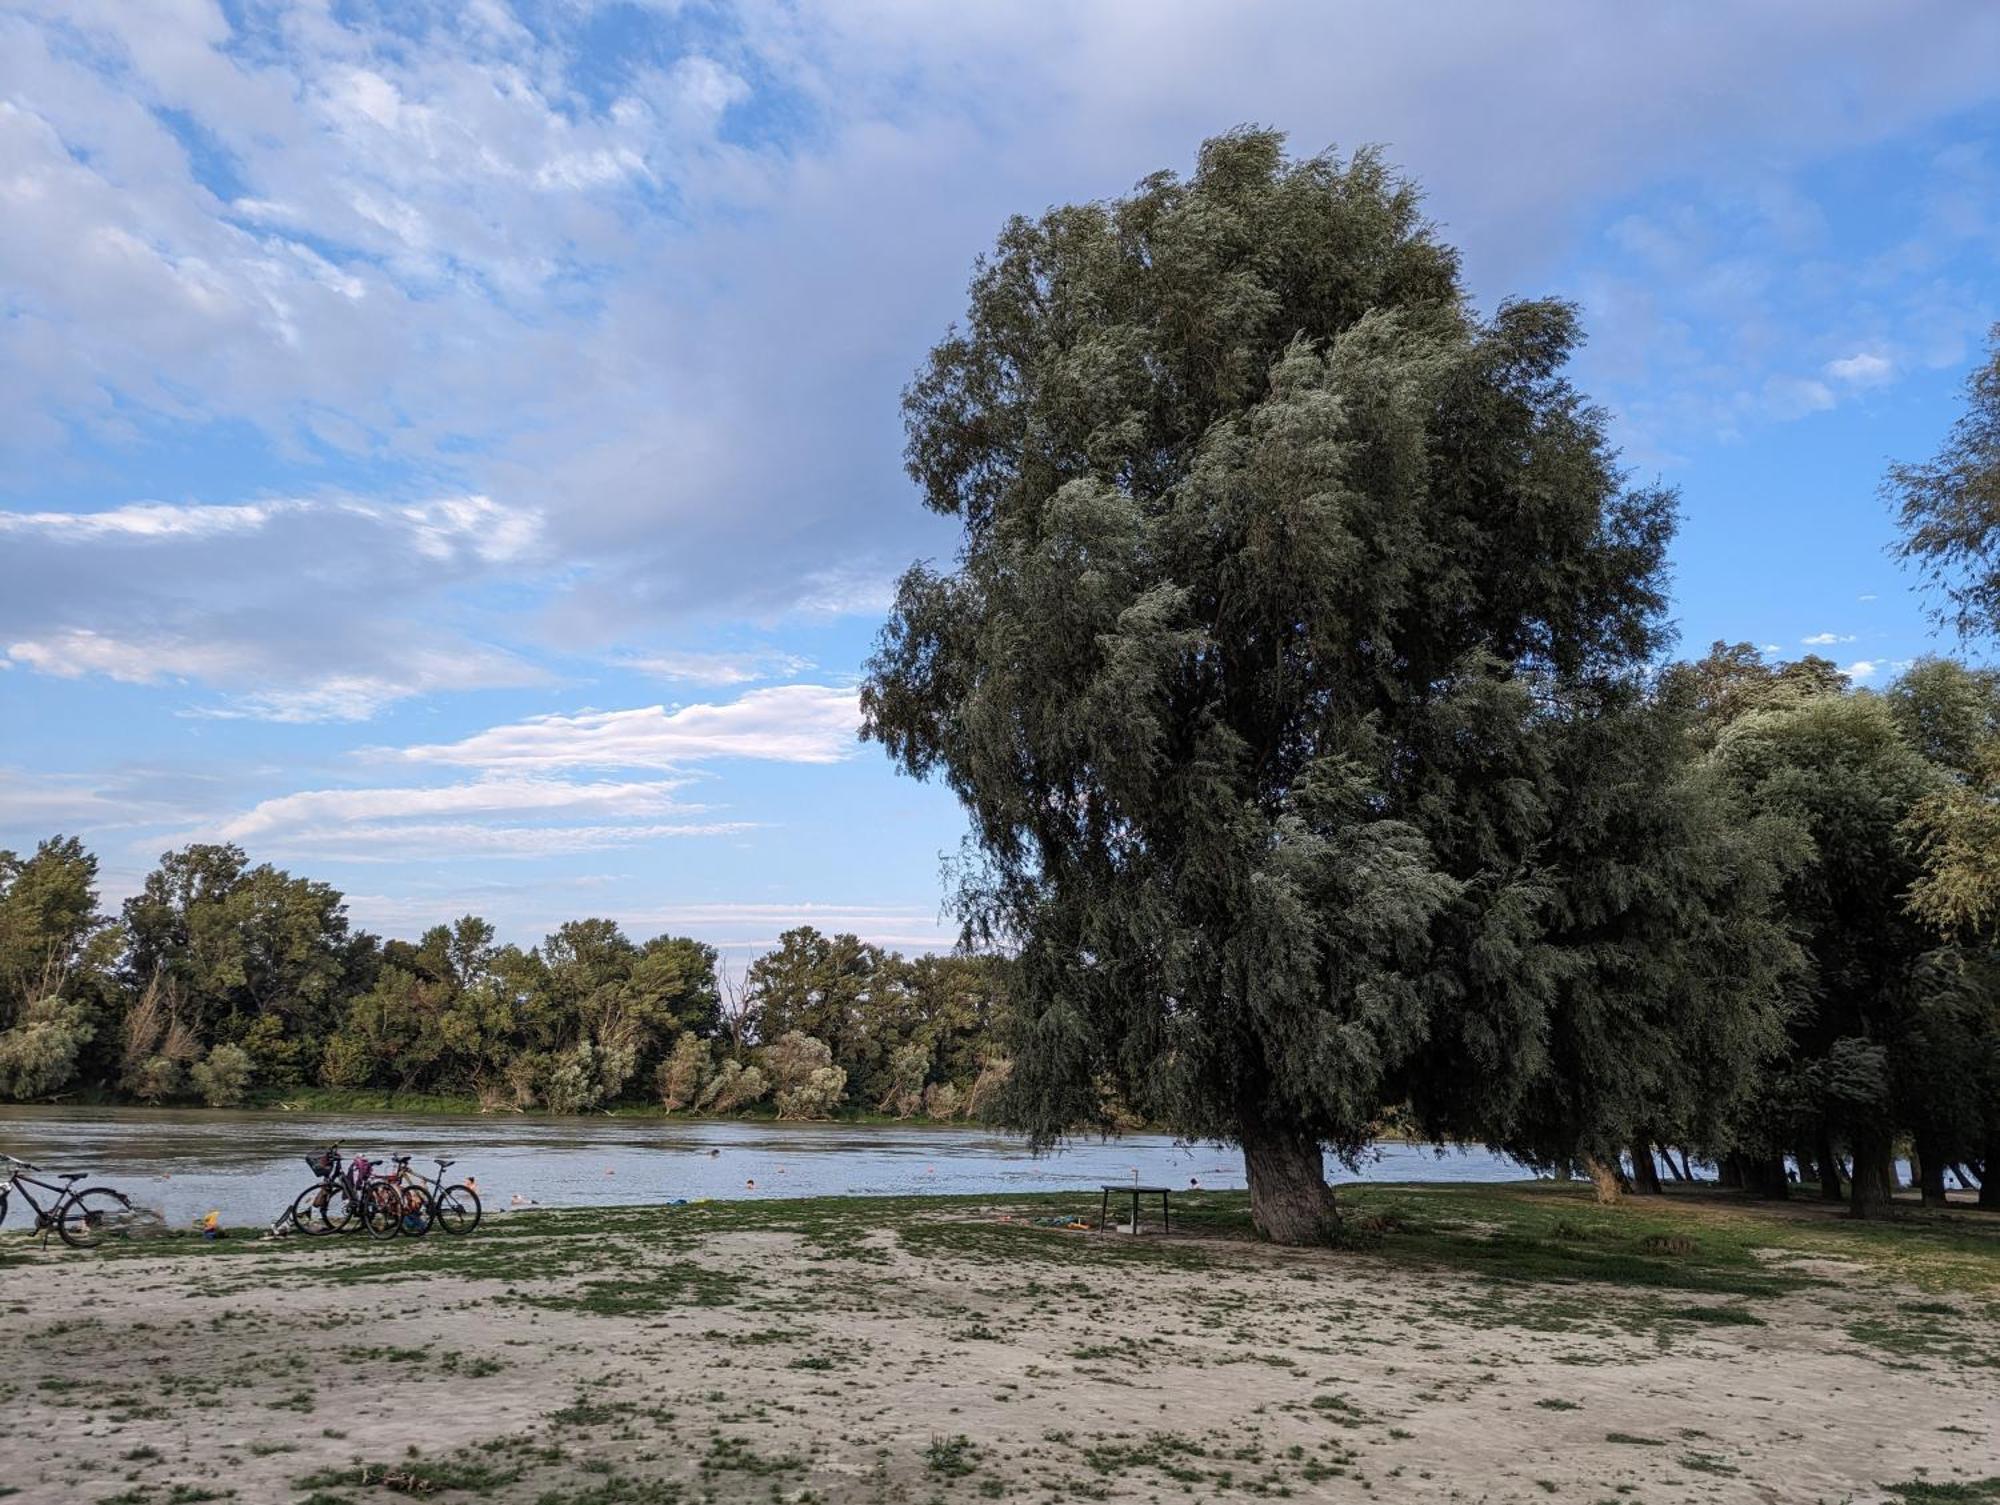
446	1164
73	1176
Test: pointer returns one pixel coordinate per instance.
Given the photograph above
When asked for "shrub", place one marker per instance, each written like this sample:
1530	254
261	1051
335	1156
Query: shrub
943	1100
804	1079
685	1072
733	1086
39	1055
223	1078
908	1066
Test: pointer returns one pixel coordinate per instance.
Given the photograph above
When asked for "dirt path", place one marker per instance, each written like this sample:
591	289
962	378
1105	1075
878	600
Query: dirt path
920	1357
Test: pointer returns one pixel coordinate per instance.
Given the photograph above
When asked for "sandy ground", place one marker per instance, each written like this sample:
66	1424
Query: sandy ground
947	1356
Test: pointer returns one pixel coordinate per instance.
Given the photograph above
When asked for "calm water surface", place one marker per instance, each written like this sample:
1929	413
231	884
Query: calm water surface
249	1166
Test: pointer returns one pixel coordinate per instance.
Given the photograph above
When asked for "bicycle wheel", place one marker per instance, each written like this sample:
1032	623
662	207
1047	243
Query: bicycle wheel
323	1209
416	1211
92	1214
457	1209
381	1209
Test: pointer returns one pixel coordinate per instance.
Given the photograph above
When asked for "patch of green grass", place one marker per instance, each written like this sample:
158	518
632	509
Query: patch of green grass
1719	1316
954	1457
1927	1492
413	1476
1706	1463
734	1455
1631	1441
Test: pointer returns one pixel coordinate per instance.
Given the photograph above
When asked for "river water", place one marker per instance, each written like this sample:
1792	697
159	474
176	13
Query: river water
248	1166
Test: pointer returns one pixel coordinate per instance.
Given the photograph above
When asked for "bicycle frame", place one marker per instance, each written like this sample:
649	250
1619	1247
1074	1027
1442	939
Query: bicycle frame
47	1219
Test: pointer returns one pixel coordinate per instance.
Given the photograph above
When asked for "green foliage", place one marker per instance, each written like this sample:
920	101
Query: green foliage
804	1081
733	1088
223	1077
39	1055
1286	586
685	1072
1949	508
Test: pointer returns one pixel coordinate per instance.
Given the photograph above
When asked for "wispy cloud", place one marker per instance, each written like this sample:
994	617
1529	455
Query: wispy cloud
718	668
1862	369
1825	639
785	723
485	797
140	521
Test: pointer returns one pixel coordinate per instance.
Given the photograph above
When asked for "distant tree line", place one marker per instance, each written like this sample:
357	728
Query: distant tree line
223	982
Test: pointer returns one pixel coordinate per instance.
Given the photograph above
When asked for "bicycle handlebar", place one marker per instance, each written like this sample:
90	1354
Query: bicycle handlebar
22	1163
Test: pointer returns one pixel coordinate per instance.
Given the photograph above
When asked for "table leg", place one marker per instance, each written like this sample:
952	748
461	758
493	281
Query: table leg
1104	1211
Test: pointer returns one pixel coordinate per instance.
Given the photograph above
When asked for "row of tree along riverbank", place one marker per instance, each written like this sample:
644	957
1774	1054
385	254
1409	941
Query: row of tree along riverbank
228	984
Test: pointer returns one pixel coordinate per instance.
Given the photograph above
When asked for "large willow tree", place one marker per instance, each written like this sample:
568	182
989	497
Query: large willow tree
1286	584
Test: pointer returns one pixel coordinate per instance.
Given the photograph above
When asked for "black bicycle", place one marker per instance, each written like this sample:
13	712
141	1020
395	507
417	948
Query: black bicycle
79	1218
455	1209
330	1204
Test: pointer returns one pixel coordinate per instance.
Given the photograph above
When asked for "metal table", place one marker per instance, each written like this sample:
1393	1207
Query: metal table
1162	1192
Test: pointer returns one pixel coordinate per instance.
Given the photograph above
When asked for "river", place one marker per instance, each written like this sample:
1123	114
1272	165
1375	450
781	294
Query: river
248	1166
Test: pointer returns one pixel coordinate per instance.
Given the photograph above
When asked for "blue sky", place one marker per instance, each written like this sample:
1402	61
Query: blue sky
453	450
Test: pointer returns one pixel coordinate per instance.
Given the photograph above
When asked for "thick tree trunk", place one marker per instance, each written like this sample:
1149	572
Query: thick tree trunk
1607	1179
1290	1202
1874	1173
1932	1184
1729	1172
1645	1169
1829	1166
1927	1170
1989	1173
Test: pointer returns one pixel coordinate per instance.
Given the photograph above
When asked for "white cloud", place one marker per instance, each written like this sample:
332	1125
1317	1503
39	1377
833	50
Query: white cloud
304	609
496	534
339	697
501	817
80	651
145	520
1863	369
719	668
755	926
316	808
363	843
786	723
1861	670
1823	639
1869	596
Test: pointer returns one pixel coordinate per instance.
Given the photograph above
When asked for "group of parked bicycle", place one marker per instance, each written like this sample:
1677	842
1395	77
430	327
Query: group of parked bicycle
386	1198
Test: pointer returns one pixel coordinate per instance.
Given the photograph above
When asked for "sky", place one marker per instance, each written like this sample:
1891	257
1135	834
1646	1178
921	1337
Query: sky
453	450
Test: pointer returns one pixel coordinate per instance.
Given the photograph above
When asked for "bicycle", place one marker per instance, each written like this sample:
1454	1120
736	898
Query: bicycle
78	1218
331	1204
456	1209
413	1202
380	1196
